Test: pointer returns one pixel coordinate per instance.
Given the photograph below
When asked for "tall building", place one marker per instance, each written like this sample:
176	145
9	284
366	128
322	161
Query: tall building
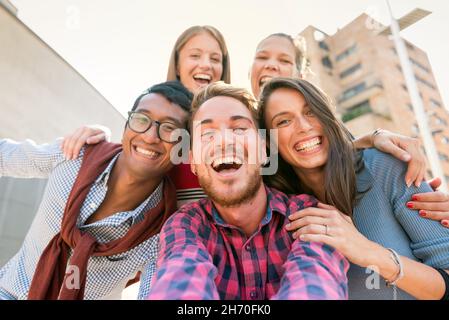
360	70
42	97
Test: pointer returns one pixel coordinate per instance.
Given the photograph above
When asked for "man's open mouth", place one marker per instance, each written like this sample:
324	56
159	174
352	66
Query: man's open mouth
227	165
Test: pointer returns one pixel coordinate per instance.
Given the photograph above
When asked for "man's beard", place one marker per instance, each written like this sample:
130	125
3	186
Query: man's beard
232	200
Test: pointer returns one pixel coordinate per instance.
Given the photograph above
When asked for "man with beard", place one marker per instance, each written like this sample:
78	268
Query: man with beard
234	244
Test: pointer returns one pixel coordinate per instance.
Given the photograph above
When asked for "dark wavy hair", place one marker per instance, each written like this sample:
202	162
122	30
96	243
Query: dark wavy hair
173	91
343	160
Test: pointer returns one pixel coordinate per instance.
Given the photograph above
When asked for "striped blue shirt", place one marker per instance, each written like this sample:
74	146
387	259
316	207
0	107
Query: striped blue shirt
106	276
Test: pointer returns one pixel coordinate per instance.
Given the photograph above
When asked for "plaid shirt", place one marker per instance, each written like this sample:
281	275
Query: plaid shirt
202	257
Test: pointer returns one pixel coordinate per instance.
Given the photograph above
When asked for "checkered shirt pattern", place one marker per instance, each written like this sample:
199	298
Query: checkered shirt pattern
107	276
202	257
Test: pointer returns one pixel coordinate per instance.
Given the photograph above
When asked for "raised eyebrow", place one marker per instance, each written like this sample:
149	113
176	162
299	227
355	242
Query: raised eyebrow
148	113
236	118
176	121
205	121
279	114
216	55
284	55
261	52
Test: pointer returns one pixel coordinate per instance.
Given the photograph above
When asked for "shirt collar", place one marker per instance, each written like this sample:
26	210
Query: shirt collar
276	202
104	176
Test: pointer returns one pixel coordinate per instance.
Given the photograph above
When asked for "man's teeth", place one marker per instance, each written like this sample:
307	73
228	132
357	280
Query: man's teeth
308	145
227	160
203	77
147	152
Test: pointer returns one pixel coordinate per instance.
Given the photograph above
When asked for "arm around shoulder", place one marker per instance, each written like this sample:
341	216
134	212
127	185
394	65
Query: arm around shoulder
27	159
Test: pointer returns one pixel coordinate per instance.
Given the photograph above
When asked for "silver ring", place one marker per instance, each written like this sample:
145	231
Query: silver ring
327	229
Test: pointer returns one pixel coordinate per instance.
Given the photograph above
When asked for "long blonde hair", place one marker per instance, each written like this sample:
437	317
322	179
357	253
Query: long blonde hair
186	36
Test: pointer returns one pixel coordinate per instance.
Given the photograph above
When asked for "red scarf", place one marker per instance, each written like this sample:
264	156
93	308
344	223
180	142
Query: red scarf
50	280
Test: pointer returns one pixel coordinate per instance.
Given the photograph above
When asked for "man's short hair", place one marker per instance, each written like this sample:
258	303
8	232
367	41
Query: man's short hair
221	89
173	91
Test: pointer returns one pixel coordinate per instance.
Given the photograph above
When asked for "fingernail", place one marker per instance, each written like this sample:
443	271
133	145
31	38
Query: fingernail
410	205
301	237
408	183
418	184
288	225
415	198
406	157
445	223
422	213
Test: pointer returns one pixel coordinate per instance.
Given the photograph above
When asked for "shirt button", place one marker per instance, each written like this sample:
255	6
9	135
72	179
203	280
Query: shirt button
93	205
248	247
253	294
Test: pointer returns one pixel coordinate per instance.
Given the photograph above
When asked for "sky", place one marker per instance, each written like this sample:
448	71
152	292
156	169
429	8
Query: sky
123	47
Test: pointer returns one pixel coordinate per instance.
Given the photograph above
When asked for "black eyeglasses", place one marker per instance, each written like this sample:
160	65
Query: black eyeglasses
140	123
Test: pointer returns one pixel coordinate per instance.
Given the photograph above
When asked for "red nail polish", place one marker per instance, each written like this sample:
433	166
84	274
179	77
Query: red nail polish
445	223
415	198
422	213
410	205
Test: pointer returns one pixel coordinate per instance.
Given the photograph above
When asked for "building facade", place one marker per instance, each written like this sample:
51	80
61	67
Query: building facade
361	72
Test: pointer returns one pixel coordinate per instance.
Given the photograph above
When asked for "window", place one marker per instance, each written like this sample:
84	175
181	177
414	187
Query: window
326	62
346	53
353	91
409	45
419	65
350	70
323	45
357	111
434	103
425	82
443	157
440	121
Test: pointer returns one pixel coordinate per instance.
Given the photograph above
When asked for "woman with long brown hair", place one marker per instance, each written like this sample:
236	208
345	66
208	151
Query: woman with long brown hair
362	196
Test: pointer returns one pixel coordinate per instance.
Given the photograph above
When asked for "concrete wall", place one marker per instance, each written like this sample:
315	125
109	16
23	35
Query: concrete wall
41	97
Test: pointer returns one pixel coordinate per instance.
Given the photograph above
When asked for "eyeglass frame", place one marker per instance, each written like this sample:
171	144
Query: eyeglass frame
158	123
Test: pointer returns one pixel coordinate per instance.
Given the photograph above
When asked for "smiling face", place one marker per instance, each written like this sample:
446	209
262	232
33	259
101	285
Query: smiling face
301	138
200	62
275	57
144	153
223	136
